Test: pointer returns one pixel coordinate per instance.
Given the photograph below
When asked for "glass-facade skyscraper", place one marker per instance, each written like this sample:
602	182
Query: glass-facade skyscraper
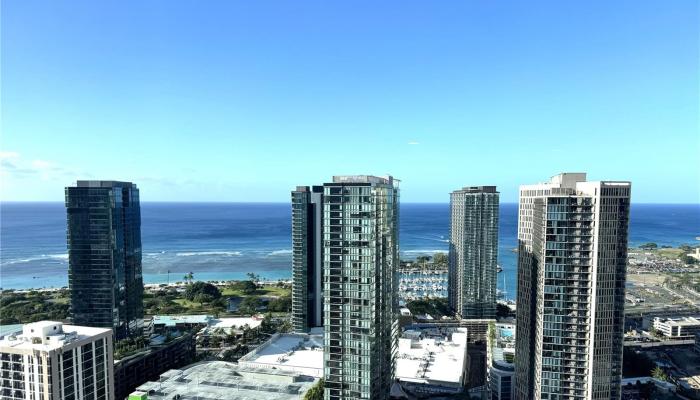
360	255
473	252
104	256
572	260
307	258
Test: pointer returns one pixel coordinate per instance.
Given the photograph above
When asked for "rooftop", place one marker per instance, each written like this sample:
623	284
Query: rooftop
224	380
477	189
104	184
385	180
211	322
679	321
10	329
432	360
288	351
173	320
570	183
235	323
49	335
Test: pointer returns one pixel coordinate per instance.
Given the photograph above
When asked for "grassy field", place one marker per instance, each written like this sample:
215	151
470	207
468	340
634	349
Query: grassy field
266	291
668	253
16	308
173	302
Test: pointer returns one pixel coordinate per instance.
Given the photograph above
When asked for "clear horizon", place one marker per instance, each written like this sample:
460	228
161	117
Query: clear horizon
243	101
282	202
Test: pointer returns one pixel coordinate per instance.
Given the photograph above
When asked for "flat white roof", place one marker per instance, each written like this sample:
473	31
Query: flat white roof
289	351
214	323
223	380
432	360
172	320
64	335
236	323
679	321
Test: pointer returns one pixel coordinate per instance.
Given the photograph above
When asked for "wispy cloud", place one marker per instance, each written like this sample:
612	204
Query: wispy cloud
155	180
7	160
41	164
13	165
413	142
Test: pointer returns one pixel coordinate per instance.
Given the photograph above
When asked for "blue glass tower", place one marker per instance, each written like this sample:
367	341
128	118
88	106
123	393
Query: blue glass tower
104	255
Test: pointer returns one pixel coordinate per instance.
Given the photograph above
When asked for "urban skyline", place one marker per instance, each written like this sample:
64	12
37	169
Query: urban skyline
266	252
572	262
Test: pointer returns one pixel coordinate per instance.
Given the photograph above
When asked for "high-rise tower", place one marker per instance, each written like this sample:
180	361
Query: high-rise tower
307	258
473	252
104	256
360	254
572	258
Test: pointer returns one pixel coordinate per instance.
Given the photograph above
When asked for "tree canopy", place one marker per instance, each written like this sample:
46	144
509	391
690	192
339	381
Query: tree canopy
316	391
280	304
202	289
247	287
434	307
440	258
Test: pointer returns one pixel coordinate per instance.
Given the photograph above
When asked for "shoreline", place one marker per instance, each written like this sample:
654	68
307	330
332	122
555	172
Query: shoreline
284	275
151	286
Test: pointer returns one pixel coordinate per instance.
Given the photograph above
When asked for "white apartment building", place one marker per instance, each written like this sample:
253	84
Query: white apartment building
51	361
572	260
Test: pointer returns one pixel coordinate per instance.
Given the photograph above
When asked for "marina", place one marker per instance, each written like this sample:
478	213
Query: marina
422	283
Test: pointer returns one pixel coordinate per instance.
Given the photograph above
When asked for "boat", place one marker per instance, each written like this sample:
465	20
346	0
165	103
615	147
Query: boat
499	268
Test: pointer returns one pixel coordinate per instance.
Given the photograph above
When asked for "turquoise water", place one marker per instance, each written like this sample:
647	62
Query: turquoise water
223	241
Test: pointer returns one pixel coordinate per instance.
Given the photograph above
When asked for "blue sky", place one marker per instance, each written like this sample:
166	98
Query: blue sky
242	101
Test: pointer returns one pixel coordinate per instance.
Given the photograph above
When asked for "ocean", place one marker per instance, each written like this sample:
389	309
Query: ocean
225	241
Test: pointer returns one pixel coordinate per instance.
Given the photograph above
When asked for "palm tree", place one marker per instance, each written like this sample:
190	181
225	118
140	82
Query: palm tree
659	374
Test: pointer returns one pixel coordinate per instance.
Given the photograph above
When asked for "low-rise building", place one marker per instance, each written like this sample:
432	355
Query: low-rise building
432	361
501	374
292	352
165	323
148	364
646	387
234	324
677	328
51	361
224	380
477	351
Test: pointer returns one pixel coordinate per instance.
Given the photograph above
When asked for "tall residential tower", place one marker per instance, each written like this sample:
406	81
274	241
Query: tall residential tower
104	256
473	252
360	254
307	258
572	258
